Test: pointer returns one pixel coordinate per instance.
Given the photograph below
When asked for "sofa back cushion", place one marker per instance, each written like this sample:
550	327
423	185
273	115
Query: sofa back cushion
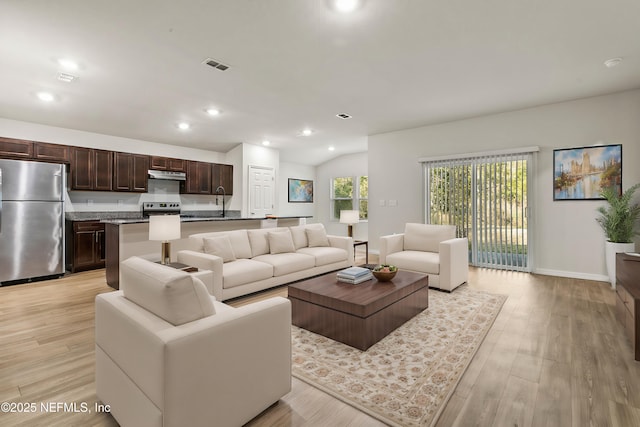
219	246
171	294
281	242
426	237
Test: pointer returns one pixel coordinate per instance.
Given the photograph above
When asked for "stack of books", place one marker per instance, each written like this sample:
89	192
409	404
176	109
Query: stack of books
354	275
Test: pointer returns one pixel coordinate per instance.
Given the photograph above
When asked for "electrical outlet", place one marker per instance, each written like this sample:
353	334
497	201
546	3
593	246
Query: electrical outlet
393	202
89	202
382	203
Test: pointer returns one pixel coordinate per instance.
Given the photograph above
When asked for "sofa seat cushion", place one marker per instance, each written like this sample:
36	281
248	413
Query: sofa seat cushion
287	263
325	255
424	262
243	271
170	294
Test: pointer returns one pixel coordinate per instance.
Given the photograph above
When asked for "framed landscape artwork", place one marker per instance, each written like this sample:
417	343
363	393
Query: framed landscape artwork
300	190
581	173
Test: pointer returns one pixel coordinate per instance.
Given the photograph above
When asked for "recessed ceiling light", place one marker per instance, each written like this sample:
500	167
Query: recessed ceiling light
183	126
306	132
332	148
610	63
45	96
213	111
265	142
68	64
345	6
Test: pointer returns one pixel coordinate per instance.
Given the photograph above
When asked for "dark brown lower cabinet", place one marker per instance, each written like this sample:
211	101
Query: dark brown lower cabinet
85	245
628	298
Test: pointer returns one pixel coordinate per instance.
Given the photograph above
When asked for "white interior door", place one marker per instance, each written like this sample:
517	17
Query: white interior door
261	191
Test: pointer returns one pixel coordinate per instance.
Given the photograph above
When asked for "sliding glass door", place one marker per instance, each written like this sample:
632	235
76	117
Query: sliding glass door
486	198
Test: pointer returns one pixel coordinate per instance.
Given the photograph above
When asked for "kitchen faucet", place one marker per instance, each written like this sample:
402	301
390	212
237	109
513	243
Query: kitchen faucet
221	188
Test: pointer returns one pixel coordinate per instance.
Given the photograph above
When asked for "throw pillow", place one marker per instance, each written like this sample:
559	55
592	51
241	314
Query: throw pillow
281	242
299	236
317	237
259	241
219	246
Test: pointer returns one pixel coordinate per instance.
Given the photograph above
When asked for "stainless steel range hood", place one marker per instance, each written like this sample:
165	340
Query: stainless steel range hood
167	175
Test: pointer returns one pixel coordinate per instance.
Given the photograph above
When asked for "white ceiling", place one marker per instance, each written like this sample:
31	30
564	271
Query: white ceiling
392	64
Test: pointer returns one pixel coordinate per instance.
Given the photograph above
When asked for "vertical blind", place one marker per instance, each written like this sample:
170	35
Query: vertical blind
485	196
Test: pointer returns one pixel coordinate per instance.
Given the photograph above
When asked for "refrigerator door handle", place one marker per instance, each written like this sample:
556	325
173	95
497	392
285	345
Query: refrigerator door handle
0	200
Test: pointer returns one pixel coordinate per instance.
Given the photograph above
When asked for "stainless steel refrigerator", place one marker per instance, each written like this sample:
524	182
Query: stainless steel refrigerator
31	221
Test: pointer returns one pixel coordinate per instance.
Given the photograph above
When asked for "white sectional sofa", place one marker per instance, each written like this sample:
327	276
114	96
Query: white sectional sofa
247	261
169	355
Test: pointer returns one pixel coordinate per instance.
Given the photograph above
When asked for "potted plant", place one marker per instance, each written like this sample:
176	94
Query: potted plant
618	221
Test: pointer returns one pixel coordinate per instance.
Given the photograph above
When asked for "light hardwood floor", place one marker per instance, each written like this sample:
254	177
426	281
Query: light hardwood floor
556	356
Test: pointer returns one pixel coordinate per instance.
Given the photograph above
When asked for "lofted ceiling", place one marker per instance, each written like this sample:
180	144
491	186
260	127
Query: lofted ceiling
294	64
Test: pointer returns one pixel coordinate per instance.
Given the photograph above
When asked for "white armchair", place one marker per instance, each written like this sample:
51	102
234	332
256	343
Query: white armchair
168	354
429	249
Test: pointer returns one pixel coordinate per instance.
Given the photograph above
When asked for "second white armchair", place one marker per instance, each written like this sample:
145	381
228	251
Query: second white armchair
430	249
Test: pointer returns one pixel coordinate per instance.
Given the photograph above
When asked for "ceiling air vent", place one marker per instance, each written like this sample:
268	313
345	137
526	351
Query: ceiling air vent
215	64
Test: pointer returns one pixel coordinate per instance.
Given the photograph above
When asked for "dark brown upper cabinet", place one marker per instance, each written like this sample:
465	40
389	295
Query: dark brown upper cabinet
130	172
91	169
222	175
167	164
16	148
198	178
56	153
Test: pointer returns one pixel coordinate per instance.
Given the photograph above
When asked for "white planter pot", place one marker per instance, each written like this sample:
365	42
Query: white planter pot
611	249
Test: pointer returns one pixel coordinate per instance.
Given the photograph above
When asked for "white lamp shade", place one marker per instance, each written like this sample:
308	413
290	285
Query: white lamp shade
349	217
164	227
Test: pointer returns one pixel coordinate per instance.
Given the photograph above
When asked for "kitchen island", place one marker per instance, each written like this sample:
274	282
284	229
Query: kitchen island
130	237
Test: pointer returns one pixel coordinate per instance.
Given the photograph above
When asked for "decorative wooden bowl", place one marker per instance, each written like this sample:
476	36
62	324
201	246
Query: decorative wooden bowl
384	276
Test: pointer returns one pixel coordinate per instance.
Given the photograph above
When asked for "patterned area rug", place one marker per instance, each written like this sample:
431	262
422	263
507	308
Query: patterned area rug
407	378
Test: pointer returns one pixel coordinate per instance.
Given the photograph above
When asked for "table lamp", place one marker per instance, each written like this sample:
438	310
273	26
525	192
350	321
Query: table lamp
350	218
164	228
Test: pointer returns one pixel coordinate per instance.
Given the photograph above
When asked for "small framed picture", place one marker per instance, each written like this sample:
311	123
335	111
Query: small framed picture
300	190
581	173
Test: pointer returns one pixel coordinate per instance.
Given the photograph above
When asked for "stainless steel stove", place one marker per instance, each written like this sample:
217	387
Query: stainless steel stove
160	208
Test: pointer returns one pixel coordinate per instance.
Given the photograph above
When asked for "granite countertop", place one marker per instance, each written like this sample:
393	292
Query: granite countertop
188	216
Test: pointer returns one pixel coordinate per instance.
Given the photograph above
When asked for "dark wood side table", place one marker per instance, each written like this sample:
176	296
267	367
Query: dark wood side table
366	248
179	266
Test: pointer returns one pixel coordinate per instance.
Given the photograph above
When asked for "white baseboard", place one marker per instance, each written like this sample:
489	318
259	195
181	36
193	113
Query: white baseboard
572	274
558	273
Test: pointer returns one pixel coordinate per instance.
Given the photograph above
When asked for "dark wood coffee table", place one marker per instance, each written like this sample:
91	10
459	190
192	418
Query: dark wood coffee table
357	315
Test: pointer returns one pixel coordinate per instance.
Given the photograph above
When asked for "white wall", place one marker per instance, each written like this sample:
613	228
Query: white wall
92	201
569	242
347	165
294	170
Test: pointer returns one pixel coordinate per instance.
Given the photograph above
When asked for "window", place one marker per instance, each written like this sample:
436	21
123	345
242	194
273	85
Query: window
347	196
485	196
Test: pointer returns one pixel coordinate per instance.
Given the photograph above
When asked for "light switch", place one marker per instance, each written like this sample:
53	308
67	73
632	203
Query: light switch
382	203
393	202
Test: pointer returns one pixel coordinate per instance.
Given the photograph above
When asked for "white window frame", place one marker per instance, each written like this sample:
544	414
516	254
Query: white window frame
355	197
